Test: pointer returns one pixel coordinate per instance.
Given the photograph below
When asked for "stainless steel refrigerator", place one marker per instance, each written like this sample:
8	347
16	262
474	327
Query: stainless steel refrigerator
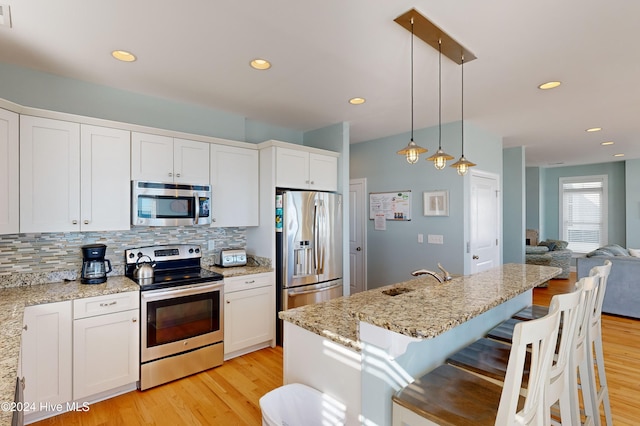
308	249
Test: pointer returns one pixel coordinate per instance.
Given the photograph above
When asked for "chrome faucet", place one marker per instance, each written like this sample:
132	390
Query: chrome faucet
445	275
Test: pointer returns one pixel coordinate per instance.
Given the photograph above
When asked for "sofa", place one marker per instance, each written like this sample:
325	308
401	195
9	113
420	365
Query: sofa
622	296
550	253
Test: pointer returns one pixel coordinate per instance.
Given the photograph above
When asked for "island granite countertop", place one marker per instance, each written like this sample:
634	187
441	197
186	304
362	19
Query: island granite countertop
13	300
423	308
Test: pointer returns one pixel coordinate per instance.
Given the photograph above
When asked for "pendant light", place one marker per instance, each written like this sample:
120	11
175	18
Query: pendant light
440	157
412	151
462	165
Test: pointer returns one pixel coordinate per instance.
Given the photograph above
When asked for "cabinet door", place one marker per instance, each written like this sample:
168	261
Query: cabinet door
323	172
9	188
151	157
190	161
292	168
234	185
49	175
46	353
105	352
248	318
105	184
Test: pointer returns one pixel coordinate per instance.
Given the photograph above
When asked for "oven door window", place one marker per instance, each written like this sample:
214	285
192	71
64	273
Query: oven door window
171	320
165	207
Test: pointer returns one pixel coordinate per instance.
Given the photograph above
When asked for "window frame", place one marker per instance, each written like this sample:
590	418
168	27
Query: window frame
604	207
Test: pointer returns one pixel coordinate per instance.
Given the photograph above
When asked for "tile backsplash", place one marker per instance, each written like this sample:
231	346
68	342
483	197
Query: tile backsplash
57	256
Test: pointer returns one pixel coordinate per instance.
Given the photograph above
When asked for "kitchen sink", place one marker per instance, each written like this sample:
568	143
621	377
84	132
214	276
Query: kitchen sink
396	291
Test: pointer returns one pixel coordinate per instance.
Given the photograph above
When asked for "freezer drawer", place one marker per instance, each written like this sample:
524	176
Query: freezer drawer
309	294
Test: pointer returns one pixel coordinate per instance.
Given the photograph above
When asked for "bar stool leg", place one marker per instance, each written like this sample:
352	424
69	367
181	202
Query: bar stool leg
601	392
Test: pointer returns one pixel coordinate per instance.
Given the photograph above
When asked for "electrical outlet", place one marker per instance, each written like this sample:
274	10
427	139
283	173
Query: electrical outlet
212	245
420	238
435	239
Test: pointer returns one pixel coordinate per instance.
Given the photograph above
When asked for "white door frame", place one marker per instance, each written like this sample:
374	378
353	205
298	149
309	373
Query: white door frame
361	222
489	175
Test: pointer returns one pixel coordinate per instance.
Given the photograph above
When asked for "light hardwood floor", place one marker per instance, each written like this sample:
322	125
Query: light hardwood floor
229	394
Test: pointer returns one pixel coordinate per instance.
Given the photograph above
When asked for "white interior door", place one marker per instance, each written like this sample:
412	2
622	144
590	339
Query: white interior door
485	221
357	235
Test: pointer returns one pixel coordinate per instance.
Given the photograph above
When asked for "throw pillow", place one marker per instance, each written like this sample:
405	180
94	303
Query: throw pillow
549	244
634	252
560	245
602	251
617	250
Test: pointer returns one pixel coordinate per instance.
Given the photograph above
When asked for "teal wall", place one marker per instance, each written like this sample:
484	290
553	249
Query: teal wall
532	185
617	197
632	174
394	253
37	89
513	213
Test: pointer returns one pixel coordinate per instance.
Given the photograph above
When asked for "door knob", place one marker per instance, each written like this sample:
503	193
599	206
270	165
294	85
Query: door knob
358	248
475	257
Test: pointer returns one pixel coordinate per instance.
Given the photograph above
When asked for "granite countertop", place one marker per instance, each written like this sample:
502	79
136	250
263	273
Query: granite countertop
236	271
13	300
423	308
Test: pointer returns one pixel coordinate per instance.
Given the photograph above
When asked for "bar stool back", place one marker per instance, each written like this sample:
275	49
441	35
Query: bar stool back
451	396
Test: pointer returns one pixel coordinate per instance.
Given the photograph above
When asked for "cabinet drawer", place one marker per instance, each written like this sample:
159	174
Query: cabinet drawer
246	282
106	304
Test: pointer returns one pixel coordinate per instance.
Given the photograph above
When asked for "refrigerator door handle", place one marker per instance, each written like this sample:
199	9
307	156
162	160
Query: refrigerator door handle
292	291
319	218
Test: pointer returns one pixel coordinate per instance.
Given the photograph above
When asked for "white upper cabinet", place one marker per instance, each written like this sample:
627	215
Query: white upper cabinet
234	186
72	177
9	175
49	175
301	169
190	161
166	159
105	203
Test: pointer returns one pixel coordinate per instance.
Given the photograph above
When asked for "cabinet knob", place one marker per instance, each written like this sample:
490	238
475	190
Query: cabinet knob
312	182
177	174
134	319
25	327
214	219
228	301
170	174
250	282
75	222
86	222
23	382
475	257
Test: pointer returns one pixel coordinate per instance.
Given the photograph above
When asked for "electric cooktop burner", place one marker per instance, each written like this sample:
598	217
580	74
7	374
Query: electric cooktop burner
174	265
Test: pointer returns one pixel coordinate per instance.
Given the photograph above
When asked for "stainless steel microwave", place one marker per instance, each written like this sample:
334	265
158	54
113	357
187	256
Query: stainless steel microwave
169	204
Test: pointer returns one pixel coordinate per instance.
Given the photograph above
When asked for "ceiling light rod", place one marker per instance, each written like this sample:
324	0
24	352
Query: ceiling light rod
462	165
440	157
431	34
412	151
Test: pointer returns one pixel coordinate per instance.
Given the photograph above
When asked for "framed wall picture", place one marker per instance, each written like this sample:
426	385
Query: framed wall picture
436	203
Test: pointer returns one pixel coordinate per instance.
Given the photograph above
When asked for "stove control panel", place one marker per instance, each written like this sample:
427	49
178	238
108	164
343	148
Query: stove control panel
163	253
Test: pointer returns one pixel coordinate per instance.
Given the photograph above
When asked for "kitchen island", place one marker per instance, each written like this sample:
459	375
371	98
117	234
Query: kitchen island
360	349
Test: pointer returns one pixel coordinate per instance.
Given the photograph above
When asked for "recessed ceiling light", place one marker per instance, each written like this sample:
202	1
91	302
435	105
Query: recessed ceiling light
123	55
593	129
357	101
260	64
607	143
618	155
549	85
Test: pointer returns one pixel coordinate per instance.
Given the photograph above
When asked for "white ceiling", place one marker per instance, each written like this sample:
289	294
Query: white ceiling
325	52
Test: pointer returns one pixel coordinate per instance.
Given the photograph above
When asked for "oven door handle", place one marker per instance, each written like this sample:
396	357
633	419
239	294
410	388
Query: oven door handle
179	291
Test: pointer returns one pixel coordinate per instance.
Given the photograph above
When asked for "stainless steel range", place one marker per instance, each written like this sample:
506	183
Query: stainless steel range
181	306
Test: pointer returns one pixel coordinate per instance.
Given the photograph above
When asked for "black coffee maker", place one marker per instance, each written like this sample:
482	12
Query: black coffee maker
94	270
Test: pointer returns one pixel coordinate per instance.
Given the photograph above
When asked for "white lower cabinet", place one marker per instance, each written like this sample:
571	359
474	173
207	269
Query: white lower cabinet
46	356
81	350
249	314
105	343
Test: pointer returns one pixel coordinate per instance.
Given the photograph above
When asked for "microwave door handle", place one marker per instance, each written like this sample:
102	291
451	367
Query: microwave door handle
197	208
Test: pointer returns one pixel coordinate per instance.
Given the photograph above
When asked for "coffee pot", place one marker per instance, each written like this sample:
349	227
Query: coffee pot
94	265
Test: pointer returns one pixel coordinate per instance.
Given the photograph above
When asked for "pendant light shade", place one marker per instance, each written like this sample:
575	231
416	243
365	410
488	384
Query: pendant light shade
462	165
440	158
412	151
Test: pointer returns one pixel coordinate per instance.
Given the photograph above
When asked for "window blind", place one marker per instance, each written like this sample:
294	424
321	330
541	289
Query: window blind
584	212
